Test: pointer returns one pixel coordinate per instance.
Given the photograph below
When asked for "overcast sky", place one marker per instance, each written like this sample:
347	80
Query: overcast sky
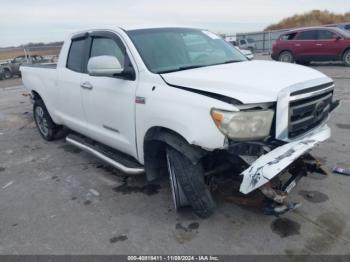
24	21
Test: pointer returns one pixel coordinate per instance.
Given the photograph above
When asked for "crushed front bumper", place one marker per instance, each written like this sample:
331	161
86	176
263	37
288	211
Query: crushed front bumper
269	165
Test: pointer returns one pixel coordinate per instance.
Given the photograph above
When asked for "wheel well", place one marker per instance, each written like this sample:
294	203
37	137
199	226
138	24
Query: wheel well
36	96
155	142
347	49
285	51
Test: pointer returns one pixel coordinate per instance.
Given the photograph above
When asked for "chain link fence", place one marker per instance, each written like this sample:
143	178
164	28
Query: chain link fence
262	41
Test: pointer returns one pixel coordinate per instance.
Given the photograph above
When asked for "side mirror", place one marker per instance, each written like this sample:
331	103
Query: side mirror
104	66
337	38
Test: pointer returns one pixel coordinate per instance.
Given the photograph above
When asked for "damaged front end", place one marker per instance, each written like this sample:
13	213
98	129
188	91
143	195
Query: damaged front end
276	169
272	142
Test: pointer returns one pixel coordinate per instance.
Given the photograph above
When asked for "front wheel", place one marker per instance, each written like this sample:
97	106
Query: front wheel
346	58
286	57
47	128
188	185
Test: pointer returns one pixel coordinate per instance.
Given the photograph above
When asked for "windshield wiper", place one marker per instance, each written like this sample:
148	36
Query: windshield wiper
181	68
231	61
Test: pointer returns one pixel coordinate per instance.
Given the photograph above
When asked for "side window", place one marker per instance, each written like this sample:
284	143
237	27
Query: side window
76	55
347	27
288	36
242	42
325	35
308	35
106	46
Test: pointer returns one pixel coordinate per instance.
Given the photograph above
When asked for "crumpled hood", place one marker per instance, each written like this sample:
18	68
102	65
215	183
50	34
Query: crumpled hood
249	82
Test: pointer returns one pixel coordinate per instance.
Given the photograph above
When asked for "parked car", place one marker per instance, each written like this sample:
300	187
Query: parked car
248	54
313	44
185	103
2	75
344	26
12	67
247	44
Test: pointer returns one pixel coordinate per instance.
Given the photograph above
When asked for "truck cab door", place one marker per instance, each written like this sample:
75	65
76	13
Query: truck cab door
69	102
109	102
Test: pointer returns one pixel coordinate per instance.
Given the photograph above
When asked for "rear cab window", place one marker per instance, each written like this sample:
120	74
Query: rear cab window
76	55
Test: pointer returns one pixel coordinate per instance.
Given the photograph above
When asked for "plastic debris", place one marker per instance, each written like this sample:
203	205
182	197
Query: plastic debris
7	185
342	171
94	192
280	209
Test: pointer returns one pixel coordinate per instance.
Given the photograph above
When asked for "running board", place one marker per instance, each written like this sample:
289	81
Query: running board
108	155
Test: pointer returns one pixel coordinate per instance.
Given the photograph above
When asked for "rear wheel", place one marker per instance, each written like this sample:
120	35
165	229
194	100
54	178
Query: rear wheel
346	58
286	57
188	185
7	74
47	128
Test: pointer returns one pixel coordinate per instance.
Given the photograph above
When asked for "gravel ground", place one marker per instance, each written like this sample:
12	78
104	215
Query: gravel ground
56	199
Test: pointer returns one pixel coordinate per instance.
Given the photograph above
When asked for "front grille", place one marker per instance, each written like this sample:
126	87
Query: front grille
308	112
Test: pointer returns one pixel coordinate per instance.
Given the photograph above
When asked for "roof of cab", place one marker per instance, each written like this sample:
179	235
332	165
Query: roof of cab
128	28
138	27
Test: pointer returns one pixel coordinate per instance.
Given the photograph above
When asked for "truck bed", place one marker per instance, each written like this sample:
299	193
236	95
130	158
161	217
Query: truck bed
48	66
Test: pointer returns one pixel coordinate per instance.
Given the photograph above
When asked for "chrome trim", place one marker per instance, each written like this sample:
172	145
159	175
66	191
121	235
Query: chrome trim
312	102
111	129
119	166
315	93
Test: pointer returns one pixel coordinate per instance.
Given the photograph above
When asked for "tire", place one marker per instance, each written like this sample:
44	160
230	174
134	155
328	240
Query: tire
190	179
304	63
286	57
346	58
46	127
7	74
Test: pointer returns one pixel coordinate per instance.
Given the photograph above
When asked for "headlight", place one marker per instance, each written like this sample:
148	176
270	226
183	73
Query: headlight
243	125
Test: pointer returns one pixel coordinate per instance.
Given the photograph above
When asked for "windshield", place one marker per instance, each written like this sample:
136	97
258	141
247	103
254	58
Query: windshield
173	49
343	32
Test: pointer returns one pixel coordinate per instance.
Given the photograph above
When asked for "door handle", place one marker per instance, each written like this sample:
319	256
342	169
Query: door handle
319	44
86	85
297	45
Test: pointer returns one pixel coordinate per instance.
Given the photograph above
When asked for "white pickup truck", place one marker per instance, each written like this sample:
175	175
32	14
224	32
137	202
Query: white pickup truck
184	103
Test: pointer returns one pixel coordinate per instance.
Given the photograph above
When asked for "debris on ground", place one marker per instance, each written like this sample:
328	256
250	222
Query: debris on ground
118	238
7	185
277	210
342	171
94	192
185	234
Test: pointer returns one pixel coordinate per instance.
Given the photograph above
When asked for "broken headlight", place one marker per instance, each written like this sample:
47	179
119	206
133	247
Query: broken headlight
244	125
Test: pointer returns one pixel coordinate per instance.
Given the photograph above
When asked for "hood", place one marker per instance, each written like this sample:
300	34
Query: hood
249	82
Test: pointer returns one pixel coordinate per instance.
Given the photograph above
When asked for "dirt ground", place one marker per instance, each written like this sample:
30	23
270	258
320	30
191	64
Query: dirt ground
56	199
10	54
